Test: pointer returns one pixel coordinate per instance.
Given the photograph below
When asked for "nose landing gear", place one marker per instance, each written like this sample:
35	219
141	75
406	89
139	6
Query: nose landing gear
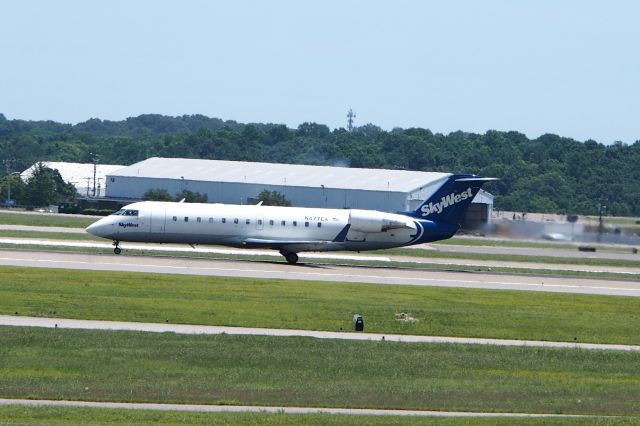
117	249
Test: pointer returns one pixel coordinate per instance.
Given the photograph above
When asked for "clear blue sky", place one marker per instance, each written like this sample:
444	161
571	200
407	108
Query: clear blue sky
568	67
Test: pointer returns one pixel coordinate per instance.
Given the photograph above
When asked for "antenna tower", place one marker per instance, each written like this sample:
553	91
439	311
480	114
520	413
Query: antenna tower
350	115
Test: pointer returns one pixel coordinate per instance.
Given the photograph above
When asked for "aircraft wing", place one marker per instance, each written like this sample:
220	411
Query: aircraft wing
290	245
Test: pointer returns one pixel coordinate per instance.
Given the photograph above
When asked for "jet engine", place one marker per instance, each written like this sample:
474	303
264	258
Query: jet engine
368	221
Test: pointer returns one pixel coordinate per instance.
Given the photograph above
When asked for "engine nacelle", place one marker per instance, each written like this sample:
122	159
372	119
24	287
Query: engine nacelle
368	221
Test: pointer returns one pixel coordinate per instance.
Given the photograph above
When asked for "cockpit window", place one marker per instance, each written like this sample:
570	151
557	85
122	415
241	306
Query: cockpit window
126	212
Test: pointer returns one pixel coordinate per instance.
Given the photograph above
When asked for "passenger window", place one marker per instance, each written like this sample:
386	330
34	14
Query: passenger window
306	224
319	224
259	221
295	223
210	220
175	218
235	220
283	223
186	218
247	221
224	220
271	222
199	220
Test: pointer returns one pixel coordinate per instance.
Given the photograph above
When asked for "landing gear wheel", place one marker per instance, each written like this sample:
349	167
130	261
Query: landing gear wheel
117	249
292	258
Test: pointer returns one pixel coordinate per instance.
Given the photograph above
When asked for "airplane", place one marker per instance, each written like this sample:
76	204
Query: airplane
292	230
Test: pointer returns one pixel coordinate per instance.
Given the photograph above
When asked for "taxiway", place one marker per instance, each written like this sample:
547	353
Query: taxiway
315	272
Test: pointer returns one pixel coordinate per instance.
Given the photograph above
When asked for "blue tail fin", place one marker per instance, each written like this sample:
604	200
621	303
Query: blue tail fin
450	202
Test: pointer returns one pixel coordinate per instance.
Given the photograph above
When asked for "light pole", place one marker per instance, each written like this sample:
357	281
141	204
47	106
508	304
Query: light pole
9	187
94	160
601	207
7	163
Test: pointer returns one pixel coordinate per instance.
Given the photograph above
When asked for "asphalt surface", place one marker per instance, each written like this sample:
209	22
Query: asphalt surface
625	270
28	228
603	251
306	272
368	256
534	251
19	321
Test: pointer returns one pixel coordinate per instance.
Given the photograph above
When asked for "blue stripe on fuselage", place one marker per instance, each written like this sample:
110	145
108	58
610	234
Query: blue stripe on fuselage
342	235
428	231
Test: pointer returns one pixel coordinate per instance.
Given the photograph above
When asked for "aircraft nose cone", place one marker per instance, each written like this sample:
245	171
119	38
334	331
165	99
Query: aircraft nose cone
98	229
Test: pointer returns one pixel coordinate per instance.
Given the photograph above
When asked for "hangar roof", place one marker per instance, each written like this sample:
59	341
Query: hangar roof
279	174
79	174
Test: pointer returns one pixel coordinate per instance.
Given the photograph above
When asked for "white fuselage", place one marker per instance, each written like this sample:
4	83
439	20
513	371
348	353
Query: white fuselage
290	229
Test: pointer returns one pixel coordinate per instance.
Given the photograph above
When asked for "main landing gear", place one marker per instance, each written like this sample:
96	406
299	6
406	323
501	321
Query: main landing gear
292	258
117	249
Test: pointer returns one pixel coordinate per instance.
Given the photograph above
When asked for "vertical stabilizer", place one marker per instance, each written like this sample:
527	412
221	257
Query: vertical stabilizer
451	201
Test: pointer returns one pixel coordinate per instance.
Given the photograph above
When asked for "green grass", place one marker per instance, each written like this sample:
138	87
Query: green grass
489	242
318	305
66	221
435	254
50	235
260	370
615	220
14	414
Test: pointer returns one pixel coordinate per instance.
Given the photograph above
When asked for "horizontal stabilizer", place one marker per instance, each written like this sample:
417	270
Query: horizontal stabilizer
476	179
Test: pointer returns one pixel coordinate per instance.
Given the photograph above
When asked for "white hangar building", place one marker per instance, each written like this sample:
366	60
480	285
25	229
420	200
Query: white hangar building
239	182
83	176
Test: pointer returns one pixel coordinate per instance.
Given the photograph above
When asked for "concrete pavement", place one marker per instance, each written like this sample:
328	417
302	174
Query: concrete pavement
316	272
18	321
267	409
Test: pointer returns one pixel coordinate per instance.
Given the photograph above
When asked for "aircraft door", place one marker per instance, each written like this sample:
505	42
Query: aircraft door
139	224
158	219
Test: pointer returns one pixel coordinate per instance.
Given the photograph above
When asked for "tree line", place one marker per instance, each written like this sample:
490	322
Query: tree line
43	187
550	173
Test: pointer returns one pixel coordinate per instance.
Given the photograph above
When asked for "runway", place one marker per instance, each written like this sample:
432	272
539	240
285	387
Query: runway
314	272
183	248
607	252
602	252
